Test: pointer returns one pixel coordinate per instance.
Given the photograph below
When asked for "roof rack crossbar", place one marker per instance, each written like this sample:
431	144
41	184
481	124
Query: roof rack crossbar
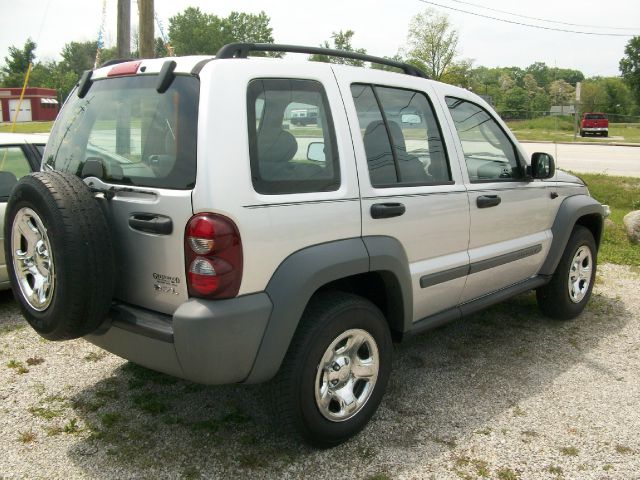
241	50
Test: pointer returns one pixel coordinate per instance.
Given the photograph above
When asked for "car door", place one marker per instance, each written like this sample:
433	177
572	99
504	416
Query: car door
14	164
410	190
510	214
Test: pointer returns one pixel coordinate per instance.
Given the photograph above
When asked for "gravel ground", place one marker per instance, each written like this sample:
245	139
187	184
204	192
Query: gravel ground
504	394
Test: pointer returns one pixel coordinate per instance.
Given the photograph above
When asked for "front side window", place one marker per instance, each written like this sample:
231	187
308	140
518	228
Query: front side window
292	141
488	152
13	166
125	132
401	137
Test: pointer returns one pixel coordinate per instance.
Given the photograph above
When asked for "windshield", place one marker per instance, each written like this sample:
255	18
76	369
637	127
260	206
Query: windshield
125	132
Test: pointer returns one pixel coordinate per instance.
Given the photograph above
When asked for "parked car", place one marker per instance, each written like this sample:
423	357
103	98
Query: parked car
211	242
19	155
595	123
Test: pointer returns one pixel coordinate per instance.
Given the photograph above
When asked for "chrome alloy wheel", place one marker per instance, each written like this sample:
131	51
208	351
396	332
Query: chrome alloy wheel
580	274
32	259
347	375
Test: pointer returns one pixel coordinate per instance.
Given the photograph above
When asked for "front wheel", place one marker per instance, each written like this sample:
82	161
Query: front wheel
570	288
335	373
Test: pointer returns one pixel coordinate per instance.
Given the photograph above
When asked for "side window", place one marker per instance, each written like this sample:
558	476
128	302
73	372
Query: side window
401	137
292	141
488	152
13	166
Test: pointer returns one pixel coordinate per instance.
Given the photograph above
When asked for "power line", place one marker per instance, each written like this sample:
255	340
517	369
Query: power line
543	19
528	24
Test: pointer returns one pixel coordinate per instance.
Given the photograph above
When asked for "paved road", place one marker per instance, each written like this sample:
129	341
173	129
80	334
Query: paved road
588	158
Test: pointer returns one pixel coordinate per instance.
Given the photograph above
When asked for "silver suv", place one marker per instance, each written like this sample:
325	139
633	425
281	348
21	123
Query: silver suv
187	221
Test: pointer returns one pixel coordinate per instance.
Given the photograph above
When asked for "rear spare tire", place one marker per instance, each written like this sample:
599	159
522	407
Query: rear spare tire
59	255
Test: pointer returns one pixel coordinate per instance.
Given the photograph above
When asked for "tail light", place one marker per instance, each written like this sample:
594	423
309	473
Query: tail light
213	255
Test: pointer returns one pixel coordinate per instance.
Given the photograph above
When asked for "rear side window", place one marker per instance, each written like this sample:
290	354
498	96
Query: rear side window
125	132
401	137
595	116
292	141
488	152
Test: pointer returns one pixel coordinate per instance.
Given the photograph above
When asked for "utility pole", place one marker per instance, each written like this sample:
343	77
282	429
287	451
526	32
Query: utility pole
124	28
145	29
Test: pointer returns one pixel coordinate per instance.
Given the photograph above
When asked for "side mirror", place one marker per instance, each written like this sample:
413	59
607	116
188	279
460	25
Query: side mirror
7	181
315	152
542	165
410	118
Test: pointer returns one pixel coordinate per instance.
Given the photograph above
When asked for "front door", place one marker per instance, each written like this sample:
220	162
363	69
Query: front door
510	215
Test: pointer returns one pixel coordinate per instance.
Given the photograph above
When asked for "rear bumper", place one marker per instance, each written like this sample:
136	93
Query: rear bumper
210	342
594	129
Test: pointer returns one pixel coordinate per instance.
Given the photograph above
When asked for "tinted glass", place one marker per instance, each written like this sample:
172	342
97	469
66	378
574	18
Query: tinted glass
416	137
382	170
291	137
411	151
488	152
130	133
595	116
13	166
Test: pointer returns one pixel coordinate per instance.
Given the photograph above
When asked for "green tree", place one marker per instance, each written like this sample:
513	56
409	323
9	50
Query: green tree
561	93
459	73
194	32
432	42
514	103
538	100
540	73
247	27
159	48
17	63
630	67
340	41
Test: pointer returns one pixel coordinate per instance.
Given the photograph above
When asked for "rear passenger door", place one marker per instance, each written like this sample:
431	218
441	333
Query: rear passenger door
410	190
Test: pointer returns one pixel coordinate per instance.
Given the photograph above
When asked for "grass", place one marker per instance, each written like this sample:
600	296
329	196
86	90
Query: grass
622	194
28	127
17	366
27	437
569	451
560	129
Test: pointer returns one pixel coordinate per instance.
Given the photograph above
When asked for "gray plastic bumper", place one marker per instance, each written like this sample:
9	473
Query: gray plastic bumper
210	342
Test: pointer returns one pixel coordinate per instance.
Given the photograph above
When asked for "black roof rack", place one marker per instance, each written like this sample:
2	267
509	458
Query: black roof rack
241	50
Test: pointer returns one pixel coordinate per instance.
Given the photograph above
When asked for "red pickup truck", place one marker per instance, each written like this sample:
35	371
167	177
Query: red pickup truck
596	123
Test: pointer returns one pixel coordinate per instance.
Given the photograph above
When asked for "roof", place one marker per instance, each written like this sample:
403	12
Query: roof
16	138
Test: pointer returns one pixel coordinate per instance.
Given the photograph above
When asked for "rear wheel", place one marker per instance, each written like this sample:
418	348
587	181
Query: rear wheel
582	134
570	288
335	373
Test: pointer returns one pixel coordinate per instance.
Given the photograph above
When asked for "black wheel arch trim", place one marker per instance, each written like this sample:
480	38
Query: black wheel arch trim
577	209
304	272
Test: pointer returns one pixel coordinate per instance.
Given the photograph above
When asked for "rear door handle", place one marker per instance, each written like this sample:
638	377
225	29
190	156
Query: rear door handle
387	210
486	201
151	223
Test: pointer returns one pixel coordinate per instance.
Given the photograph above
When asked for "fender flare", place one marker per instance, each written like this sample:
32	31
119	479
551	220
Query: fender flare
301	274
571	210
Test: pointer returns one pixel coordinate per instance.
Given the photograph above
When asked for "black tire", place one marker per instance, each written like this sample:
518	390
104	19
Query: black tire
605	134
582	134
555	298
328	316
80	250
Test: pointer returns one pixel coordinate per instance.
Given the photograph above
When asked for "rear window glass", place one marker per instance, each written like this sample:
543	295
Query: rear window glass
125	132
595	116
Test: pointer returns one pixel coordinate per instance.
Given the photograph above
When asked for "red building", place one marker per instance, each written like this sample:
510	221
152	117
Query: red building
38	104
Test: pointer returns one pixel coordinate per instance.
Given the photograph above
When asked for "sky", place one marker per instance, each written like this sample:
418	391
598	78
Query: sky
380	27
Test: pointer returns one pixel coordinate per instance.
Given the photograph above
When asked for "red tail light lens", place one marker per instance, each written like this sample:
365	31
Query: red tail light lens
213	255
